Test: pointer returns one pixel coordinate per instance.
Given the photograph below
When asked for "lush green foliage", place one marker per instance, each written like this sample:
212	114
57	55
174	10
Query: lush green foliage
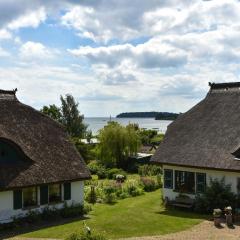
109	194
110	191
156	115
71	117
97	168
117	143
149	184
53	112
146	136
131	217
113	172
48	214
91	195
149	170
68	115
86	236
217	195
87	151
166	116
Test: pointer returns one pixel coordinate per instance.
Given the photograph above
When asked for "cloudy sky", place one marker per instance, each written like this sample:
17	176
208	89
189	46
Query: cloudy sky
118	55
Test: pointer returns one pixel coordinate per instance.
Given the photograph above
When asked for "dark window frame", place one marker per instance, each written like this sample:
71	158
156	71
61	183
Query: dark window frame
17	199
168	178
44	195
67	191
200	183
181	182
57	200
36	198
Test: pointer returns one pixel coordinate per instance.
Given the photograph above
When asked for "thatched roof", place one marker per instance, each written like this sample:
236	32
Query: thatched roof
49	154
208	135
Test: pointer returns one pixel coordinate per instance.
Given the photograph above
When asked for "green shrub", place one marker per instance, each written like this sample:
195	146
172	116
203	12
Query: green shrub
96	168
98	192
86	236
217	195
109	194
123	195
87	208
133	188
32	216
149	184
93	167
74	210
149	170
113	172
91	195
159	181
50	213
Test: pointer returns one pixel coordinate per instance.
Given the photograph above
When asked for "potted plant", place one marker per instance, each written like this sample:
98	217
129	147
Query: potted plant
228	215
217	217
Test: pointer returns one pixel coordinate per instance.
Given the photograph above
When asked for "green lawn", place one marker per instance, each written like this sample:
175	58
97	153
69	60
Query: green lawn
139	216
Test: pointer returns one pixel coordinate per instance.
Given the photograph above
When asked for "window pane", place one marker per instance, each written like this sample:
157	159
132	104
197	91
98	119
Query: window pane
168	178
238	186
43	194
201	182
30	197
55	193
67	191
185	181
17	199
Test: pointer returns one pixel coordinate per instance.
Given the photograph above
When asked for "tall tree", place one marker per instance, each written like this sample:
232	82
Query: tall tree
53	112
71	117
68	115
117	143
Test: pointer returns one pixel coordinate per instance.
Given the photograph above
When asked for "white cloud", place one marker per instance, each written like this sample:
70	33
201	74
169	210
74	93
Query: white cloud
4	34
30	19
34	50
152	54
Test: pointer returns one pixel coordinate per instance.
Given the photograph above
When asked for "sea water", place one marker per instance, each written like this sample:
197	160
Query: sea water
97	123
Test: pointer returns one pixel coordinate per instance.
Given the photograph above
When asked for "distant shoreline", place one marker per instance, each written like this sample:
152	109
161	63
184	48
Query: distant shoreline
155	115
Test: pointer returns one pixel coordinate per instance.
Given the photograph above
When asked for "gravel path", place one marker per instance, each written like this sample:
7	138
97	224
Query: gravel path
202	231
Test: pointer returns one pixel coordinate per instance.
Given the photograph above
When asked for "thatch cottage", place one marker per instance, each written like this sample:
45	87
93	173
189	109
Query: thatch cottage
39	166
203	143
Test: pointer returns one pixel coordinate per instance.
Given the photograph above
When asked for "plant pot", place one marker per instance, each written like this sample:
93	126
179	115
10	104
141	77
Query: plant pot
229	221
217	221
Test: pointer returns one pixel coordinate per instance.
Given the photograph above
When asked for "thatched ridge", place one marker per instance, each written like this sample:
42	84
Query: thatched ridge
208	135
53	158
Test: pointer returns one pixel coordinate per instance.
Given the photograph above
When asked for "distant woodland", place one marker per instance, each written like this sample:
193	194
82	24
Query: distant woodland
156	115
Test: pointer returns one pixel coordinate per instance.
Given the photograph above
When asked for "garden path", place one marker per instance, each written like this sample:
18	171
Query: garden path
203	231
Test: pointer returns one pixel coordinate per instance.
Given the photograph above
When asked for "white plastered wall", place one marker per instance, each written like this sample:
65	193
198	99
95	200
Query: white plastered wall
230	178
6	202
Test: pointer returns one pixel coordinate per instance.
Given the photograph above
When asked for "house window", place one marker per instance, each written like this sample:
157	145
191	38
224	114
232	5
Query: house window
29	197
238	186
168	178
200	182
185	181
55	193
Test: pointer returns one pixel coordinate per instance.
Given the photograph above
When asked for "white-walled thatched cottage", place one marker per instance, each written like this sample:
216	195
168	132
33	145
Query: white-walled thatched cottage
203	143
39	166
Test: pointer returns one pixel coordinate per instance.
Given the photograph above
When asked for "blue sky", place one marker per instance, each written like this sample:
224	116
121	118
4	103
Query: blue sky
115	56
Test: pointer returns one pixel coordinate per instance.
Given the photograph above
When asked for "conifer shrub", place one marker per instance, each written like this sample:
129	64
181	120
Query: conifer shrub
217	195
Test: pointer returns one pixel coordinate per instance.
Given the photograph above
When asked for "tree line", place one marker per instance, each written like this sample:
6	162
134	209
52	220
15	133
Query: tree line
116	142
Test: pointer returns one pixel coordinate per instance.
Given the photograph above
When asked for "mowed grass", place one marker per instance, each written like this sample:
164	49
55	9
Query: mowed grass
138	216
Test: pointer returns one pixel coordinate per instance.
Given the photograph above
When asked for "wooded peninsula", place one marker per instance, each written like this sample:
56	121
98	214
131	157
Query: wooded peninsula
153	114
